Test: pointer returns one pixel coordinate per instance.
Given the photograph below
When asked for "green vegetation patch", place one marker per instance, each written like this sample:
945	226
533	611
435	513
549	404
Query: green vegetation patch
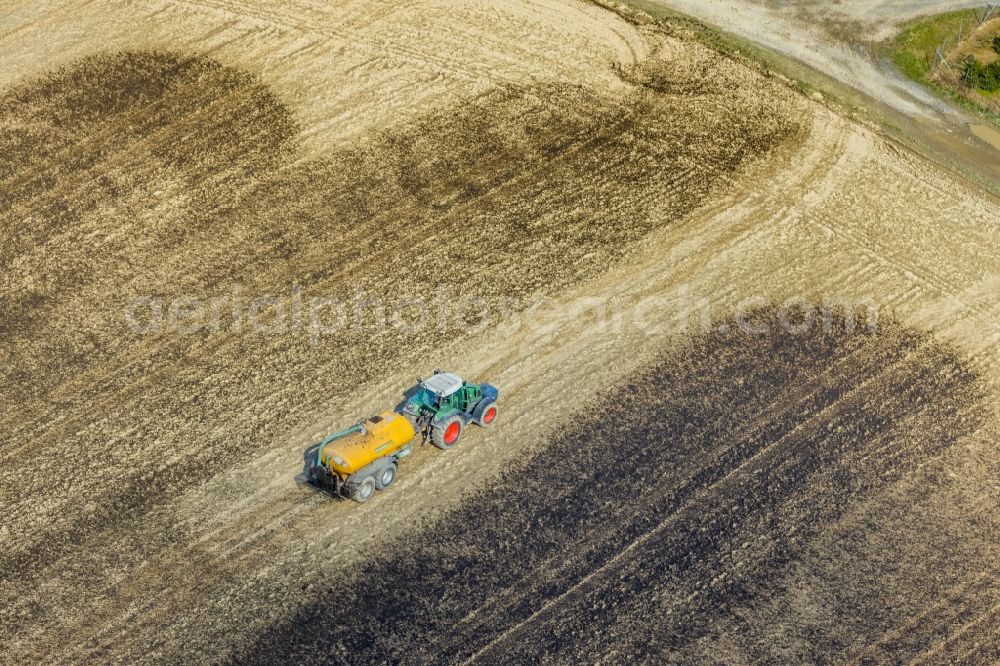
982	77
914	52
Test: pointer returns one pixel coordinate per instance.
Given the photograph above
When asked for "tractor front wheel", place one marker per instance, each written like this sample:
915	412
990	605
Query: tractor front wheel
488	416
447	434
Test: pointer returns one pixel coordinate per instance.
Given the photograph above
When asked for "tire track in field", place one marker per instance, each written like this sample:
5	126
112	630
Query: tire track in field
850	417
940	613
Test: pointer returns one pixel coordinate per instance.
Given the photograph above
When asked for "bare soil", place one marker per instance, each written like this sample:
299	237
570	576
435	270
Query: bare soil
485	198
557	149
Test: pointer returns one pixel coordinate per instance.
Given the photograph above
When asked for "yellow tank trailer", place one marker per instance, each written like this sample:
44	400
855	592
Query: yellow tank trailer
362	458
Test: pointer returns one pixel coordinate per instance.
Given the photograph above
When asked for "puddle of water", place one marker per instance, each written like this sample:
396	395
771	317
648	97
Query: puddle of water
988	134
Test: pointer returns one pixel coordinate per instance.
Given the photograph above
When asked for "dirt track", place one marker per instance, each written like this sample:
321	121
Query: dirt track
843	40
647	166
830	37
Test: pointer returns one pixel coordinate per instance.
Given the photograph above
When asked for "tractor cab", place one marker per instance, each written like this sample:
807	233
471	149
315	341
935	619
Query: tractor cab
442	387
449	391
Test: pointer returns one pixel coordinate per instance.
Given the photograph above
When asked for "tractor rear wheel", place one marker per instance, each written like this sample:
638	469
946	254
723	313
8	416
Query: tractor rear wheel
446	435
488	416
362	490
386	476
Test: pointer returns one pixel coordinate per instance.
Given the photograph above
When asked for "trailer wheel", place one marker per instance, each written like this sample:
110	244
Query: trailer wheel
386	476
447	434
362	491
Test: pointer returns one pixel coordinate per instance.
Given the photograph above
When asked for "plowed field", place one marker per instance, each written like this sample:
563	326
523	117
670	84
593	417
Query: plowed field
229	228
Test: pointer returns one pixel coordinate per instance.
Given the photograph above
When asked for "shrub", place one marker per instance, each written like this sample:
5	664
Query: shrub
996	44
982	77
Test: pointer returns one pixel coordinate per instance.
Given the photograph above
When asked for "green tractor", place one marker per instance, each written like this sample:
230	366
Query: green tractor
440	407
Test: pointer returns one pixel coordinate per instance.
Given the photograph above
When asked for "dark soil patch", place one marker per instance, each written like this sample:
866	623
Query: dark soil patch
663	526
